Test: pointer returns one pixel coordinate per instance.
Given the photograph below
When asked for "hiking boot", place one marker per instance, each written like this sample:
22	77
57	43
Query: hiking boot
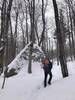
49	82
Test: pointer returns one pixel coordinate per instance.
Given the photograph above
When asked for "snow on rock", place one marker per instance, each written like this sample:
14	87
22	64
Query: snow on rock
21	59
18	61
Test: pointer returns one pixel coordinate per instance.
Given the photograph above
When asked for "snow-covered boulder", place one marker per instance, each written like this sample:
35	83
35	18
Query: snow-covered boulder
22	58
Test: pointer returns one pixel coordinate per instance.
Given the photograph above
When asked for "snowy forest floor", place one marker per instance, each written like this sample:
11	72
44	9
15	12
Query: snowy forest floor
26	86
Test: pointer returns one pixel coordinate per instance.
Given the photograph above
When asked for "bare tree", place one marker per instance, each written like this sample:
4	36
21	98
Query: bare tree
32	35
70	4
7	20
2	34
60	42
43	19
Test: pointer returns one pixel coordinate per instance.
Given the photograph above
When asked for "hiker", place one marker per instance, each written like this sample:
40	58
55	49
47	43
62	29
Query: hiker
47	66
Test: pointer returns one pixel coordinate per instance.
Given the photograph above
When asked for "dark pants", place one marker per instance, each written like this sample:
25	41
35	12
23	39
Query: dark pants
45	78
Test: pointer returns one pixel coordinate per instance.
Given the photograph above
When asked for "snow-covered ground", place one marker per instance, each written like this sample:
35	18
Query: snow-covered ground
26	86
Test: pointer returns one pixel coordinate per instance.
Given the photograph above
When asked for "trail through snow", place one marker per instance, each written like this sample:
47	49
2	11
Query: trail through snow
26	86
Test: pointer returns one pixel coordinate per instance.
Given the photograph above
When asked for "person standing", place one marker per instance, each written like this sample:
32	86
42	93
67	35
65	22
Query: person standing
47	66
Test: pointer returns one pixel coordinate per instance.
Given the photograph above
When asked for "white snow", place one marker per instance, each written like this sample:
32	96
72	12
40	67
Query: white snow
26	86
17	61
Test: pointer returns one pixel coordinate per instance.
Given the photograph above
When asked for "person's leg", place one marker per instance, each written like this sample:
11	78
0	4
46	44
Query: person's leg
45	79
49	81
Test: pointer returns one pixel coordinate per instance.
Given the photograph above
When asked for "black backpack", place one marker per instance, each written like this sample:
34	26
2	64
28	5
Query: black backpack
50	64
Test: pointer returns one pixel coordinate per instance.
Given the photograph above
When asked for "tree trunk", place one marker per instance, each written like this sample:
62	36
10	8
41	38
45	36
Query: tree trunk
69	35
32	35
27	26
30	59
60	42
7	20
16	25
3	16
43	19
71	28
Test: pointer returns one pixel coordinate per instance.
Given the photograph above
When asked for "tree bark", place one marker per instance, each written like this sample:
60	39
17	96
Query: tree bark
43	19
32	35
7	20
60	42
3	16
